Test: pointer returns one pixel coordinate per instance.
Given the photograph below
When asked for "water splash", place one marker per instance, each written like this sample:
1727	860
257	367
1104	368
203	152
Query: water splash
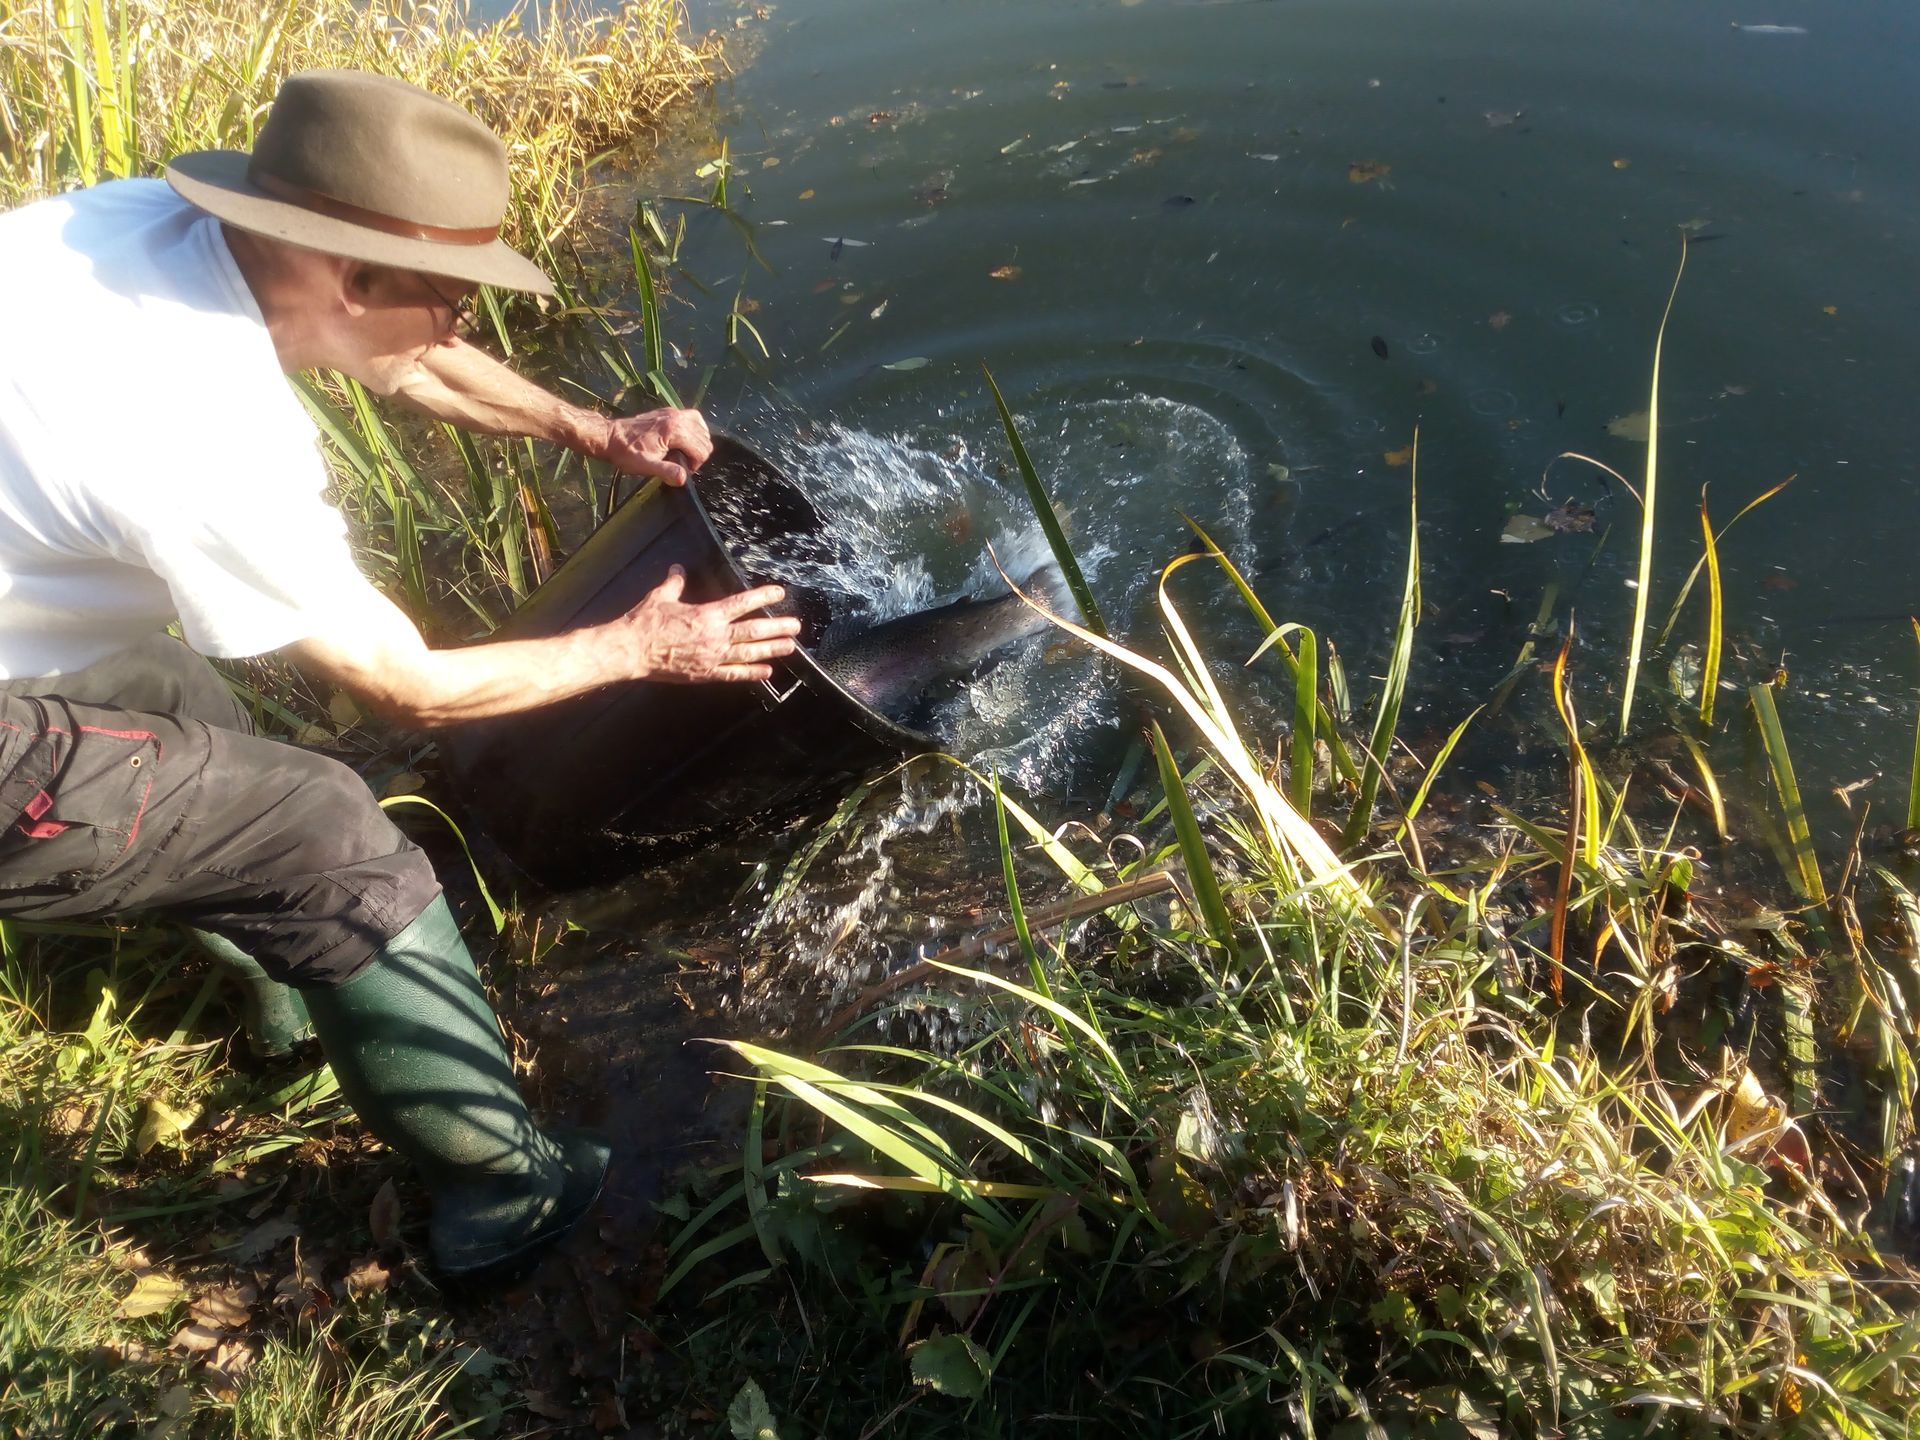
908	525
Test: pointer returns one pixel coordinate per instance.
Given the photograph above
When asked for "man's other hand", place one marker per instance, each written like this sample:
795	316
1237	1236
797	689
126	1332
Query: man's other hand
642	444
715	641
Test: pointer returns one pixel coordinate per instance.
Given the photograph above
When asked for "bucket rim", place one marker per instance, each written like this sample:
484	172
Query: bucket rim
903	736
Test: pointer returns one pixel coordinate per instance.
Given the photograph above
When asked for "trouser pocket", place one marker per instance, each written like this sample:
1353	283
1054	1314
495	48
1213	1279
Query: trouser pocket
77	796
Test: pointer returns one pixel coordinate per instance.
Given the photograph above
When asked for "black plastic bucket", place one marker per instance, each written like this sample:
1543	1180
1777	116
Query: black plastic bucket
587	789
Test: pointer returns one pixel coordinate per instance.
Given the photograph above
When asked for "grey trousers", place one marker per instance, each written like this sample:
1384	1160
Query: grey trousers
136	786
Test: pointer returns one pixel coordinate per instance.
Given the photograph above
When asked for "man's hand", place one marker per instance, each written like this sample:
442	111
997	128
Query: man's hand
715	641
641	444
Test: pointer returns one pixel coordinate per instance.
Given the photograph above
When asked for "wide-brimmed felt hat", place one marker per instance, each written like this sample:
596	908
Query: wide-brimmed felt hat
371	168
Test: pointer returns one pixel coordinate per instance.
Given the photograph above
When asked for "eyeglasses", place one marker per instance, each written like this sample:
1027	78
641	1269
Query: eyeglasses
465	322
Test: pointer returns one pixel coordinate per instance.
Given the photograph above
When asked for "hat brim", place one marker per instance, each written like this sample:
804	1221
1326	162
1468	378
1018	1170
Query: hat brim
216	181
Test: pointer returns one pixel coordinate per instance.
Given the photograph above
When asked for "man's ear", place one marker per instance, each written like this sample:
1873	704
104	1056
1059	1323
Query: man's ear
359	282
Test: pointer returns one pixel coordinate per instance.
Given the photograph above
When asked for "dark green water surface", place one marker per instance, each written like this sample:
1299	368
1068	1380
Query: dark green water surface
1199	257
1224	257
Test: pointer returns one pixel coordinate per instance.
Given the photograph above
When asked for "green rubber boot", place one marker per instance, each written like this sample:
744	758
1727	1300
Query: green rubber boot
275	1018
419	1055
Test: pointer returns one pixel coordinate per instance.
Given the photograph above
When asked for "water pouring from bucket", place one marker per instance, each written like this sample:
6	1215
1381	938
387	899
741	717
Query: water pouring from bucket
584	790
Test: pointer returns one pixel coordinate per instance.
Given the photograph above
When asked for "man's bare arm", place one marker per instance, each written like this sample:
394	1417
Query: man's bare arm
380	658
462	384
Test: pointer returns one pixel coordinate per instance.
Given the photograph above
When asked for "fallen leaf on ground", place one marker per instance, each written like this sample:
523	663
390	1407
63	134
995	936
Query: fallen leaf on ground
1360	172
1637	426
193	1338
368	1277
546	1407
162	1124
228	1307
230	1364
152	1292
263	1238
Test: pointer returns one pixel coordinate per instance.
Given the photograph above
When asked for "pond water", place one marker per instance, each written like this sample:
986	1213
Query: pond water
1223	258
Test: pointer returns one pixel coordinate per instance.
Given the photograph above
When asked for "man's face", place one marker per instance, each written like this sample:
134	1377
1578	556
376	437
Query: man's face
403	315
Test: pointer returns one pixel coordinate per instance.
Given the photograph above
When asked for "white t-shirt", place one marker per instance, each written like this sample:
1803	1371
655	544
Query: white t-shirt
154	463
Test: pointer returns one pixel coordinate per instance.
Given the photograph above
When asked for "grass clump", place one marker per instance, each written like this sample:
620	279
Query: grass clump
95	90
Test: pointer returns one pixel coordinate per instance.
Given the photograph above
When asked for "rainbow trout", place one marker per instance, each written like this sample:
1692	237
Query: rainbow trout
902	667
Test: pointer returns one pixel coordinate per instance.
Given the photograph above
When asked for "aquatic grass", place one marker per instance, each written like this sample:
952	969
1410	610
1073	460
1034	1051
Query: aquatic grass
1393	688
1693	575
1205	884
1048	517
1805	870
1304	681
91	97
1649	496
1913	771
1710	666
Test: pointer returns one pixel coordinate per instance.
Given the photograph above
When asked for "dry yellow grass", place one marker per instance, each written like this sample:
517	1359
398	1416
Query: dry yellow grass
95	89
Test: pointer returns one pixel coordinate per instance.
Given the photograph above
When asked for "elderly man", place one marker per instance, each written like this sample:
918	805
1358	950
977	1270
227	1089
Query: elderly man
155	468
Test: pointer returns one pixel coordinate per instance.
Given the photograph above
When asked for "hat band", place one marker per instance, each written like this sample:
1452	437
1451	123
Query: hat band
372	219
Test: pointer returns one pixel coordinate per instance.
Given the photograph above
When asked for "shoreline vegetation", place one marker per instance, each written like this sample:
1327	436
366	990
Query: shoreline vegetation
171	1255
1397	1121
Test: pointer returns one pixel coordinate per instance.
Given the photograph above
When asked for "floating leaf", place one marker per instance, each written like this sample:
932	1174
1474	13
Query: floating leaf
1399	459
1500	119
1637	426
1622	164
1360	172
912	362
952	1365
806	194
1004	272
1499	320
1524	530
1570	518
152	1293
1379	346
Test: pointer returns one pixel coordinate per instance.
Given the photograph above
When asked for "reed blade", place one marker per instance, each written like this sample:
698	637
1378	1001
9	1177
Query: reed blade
1693	575
1913	774
1017	910
1648	508
1394	688
1207	897
1710	668
1276	638
1805	872
1306	709
1049	519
